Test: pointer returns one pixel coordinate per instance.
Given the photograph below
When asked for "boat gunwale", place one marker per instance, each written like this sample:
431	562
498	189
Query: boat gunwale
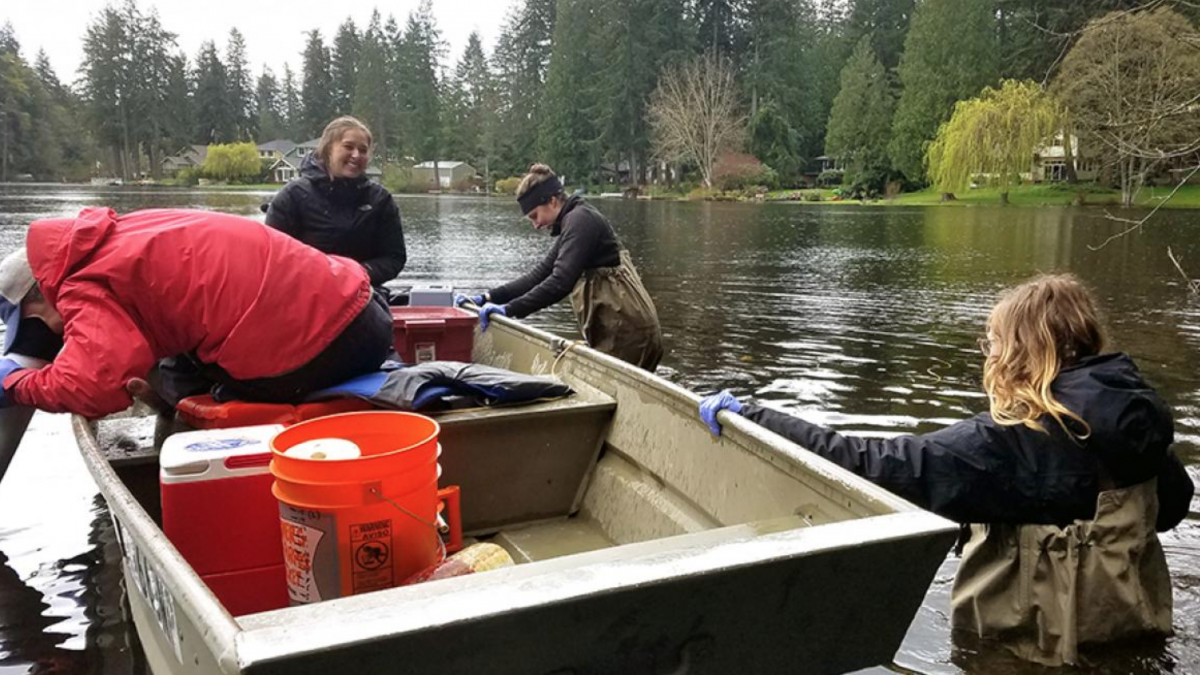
783	454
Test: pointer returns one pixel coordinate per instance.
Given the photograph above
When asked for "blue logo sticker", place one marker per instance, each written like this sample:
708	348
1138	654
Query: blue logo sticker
219	444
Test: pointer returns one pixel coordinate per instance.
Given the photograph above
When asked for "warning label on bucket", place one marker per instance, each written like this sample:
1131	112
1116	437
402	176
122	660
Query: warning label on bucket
371	544
425	351
309	554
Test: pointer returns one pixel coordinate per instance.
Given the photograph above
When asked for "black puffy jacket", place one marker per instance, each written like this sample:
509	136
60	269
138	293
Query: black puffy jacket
353	218
977	471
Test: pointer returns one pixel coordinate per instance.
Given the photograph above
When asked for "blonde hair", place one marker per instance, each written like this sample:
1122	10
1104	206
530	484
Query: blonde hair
538	174
1041	326
333	134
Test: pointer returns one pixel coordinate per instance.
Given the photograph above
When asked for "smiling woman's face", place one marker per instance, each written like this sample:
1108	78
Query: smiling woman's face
350	156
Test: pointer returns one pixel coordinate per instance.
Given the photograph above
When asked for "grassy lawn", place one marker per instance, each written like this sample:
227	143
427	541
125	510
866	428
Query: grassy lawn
1188	197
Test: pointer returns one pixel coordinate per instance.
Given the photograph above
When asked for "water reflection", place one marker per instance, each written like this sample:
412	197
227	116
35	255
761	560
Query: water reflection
861	318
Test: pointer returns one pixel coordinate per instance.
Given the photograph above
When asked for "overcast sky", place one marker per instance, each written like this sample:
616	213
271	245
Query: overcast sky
273	30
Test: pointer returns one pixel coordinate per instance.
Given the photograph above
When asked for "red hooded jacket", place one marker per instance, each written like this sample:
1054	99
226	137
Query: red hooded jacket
151	284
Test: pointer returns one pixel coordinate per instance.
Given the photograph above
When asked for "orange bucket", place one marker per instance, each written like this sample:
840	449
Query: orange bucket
357	525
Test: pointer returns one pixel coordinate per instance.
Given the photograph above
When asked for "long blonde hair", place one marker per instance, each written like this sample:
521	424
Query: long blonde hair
333	134
1041	326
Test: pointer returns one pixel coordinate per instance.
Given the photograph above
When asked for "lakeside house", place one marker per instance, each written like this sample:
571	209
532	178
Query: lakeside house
449	173
188	157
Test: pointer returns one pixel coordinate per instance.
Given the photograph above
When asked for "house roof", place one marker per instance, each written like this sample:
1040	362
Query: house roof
442	164
309	144
282	160
280	145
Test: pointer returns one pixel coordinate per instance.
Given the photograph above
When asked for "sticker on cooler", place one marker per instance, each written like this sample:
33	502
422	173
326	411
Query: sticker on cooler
425	351
310	554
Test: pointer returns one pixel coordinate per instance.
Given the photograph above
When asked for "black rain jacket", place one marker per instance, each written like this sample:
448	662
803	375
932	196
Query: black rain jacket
977	471
356	219
583	240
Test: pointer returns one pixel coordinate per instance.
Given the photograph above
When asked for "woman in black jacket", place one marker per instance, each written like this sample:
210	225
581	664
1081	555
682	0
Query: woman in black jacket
586	262
1064	482
334	208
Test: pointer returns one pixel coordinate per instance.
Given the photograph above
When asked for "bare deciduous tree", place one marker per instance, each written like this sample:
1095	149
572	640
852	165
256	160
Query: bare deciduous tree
695	114
1132	88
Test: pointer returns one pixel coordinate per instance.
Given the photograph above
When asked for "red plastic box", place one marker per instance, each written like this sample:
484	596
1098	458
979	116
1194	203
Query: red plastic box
218	511
433	333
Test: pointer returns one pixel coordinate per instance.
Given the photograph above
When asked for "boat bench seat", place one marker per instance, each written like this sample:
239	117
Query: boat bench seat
523	463
514	463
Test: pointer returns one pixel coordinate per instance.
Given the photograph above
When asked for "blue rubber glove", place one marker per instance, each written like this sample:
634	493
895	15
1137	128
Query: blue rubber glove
489	308
460	300
7	367
711	405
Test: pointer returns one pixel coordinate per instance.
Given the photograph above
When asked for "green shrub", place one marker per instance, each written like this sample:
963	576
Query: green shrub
399	178
232	162
508	186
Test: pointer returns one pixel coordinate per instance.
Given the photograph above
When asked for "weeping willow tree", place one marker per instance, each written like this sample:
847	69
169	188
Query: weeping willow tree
994	135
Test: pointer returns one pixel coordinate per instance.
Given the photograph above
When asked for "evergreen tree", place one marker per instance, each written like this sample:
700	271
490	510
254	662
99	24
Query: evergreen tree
344	63
421	52
717	30
292	110
316	92
635	38
521	58
950	54
861	119
216	117
241	95
8	40
469	109
886	23
108	89
181	121
774	35
268	108
151	65
372	102
567	133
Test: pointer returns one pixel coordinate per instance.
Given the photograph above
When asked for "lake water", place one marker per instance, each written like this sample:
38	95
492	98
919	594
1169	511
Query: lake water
862	318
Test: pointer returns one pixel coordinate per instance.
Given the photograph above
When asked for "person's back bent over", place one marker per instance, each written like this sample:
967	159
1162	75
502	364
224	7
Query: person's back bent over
263	314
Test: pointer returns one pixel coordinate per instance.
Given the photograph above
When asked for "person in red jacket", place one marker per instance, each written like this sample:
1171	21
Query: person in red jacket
266	317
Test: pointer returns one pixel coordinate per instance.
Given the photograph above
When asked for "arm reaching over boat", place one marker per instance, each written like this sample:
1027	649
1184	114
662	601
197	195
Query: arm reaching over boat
587	263
1074	454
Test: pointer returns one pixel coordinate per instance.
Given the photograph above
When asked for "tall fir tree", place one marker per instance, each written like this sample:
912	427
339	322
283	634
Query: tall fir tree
268	108
316	90
717	29
861	119
886	23
216	118
152	72
521	58
241	93
950	54
108	87
469	109
372	96
343	66
568	135
293	111
635	38
422	51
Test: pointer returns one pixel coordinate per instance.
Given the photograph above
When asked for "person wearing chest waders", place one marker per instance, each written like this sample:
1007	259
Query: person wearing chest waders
335	208
263	317
1060	487
586	262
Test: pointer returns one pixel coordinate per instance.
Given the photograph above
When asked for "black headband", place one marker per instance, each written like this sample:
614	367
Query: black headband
540	194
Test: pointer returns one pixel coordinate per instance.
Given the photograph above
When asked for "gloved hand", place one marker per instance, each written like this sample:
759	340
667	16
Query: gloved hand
711	405
7	367
460	300
489	308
